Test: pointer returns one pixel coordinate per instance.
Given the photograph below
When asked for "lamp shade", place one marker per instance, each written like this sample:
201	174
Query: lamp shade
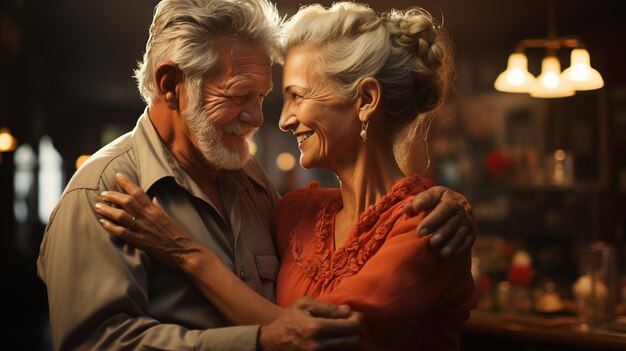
549	83
579	74
516	78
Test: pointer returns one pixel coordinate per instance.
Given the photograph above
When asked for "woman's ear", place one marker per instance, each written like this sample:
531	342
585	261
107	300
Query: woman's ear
369	94
168	78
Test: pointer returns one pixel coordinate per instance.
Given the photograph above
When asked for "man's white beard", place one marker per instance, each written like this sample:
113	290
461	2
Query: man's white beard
209	136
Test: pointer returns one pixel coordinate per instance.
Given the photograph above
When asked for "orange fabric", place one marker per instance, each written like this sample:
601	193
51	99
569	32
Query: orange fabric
410	297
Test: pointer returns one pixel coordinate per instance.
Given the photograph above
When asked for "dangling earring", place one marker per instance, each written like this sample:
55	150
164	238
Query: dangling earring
363	133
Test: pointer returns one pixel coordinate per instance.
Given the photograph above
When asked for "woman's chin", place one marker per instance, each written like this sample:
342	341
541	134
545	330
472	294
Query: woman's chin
305	163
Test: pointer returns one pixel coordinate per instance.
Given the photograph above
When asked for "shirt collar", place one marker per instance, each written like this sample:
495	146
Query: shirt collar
154	161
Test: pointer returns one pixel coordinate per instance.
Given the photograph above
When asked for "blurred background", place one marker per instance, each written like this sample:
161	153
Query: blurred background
546	176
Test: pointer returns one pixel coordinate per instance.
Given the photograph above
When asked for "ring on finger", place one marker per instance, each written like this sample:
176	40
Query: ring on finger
132	222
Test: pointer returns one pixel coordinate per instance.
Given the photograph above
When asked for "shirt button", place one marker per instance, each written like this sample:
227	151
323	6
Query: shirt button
242	274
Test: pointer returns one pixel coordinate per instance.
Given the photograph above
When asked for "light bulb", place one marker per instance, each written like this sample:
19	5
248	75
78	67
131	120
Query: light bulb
7	141
516	78
285	161
549	83
580	74
80	160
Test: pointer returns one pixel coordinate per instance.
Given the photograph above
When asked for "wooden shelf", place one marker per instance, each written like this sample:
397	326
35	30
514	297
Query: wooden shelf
492	331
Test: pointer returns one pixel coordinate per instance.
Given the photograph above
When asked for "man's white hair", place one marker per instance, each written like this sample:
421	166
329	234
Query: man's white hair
185	31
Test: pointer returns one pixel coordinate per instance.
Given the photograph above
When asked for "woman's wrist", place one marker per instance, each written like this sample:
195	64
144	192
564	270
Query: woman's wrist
196	259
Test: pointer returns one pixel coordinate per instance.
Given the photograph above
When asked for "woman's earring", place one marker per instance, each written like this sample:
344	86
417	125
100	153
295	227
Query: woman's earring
363	133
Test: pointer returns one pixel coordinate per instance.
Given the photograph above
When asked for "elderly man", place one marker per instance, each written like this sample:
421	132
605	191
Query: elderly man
205	72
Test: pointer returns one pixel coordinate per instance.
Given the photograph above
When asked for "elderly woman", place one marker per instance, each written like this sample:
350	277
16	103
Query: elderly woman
353	82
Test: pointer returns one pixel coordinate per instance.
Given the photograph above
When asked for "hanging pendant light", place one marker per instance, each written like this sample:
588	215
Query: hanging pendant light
549	83
580	74
516	78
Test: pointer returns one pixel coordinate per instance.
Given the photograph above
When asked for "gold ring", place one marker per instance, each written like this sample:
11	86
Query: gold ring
132	222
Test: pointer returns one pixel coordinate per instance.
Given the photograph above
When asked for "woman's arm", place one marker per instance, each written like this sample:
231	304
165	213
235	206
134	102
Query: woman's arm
145	225
237	301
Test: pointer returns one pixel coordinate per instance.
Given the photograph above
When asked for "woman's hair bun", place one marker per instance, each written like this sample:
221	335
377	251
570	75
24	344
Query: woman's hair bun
416	30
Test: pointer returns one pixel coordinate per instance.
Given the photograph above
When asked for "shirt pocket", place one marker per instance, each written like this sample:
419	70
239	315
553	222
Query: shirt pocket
267	265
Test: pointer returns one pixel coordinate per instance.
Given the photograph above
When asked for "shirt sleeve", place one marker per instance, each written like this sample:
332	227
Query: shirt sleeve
97	290
404	282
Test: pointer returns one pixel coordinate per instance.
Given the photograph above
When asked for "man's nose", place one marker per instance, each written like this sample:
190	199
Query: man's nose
253	114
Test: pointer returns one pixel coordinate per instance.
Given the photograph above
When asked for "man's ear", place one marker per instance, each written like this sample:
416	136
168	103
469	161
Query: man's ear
369	94
168	79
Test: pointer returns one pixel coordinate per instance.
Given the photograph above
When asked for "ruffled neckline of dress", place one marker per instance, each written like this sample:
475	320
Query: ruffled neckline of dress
365	238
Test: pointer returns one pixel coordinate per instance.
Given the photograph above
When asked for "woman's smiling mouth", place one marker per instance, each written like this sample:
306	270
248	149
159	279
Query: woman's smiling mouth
301	137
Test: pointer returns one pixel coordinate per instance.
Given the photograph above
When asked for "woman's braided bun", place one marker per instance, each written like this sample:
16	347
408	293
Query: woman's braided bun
425	49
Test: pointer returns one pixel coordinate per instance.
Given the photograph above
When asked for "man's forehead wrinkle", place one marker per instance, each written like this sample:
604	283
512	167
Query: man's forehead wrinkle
231	60
252	67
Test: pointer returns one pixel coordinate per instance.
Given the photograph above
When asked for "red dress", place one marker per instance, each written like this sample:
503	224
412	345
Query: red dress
411	298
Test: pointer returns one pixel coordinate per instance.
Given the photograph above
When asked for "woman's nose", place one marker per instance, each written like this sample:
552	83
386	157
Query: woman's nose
288	120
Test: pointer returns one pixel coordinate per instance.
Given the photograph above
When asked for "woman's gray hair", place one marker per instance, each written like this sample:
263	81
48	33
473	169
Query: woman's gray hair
184	31
406	51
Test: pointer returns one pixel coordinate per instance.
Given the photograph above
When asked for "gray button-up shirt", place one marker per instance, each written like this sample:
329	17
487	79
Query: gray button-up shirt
107	295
